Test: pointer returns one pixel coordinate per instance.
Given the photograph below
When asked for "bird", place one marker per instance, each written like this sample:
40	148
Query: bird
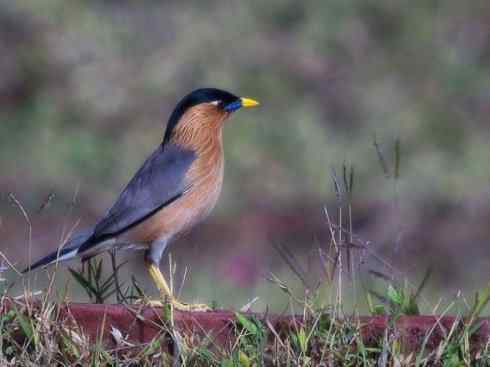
176	187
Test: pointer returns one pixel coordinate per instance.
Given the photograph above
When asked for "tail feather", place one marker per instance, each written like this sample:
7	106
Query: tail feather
69	250
62	255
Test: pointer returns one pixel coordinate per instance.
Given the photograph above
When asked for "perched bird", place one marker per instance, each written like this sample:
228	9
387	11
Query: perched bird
176	187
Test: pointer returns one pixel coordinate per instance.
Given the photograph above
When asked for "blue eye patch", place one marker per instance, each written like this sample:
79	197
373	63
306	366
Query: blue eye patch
233	106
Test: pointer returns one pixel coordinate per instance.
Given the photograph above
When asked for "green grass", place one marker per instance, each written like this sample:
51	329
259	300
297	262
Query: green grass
37	335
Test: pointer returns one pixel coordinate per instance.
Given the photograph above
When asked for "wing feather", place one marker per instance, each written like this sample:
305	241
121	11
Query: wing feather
159	182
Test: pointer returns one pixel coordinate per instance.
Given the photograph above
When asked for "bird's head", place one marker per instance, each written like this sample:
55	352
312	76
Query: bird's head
204	110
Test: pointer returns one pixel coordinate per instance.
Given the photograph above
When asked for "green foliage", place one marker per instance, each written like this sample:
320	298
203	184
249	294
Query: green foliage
457	347
318	335
90	279
398	301
68	114
334	74
251	340
98	289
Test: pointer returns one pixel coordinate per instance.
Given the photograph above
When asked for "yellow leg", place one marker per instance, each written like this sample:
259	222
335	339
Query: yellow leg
166	294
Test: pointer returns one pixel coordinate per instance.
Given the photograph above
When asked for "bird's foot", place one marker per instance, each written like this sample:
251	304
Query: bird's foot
180	306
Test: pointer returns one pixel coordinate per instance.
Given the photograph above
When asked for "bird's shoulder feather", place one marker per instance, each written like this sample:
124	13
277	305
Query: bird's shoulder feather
159	182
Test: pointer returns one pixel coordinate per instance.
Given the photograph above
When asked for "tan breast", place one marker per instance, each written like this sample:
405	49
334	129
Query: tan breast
204	179
194	206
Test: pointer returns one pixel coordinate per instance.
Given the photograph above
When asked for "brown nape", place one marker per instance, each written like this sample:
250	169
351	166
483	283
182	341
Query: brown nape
200	127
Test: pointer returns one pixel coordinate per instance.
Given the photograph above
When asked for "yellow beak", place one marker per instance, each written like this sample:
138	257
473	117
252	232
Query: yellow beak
249	102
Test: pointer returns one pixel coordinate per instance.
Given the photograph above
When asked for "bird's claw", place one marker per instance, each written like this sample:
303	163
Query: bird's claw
192	307
180	306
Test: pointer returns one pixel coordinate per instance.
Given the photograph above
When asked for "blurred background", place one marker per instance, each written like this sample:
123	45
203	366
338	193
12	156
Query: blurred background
86	89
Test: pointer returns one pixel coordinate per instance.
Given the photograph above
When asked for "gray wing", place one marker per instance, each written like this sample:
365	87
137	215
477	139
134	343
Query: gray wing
68	251
159	182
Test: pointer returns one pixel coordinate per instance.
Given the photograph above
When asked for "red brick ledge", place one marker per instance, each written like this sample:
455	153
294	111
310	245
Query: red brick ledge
142	324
